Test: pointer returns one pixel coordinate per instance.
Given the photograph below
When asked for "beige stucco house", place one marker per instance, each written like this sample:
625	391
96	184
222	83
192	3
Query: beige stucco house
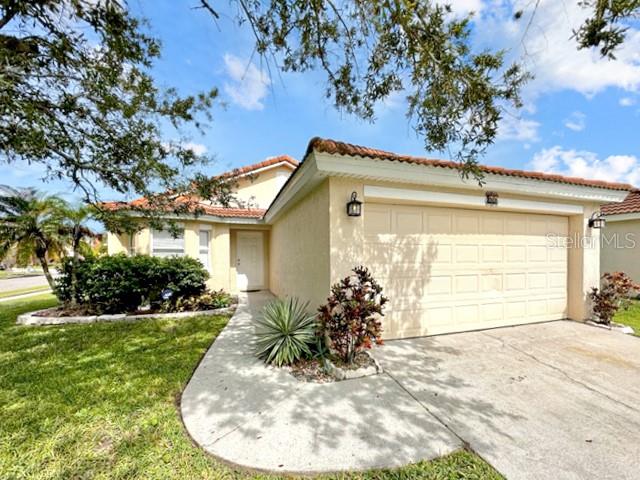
451	255
620	246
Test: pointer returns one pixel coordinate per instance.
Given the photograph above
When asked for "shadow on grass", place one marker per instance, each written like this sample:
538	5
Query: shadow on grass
98	401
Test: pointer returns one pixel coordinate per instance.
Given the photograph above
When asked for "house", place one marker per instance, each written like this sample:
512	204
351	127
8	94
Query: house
620	246
451	255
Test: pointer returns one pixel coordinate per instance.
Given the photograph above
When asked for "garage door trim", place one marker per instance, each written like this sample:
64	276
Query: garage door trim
433	197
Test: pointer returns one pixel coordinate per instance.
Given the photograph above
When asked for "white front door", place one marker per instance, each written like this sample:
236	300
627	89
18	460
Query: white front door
250	261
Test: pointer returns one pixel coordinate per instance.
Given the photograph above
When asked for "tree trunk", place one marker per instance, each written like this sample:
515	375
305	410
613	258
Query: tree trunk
42	257
74	266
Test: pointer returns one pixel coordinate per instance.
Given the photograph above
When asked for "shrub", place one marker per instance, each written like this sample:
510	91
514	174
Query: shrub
285	332
351	317
205	301
612	295
184	276
119	283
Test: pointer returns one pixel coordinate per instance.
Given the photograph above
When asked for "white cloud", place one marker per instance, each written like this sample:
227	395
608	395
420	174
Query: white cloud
577	121
517	128
549	50
627	102
248	86
575	163
196	148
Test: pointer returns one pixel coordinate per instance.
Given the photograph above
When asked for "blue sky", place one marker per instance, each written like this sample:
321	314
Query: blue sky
581	115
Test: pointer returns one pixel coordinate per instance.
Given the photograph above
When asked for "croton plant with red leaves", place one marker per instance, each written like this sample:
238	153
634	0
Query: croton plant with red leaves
613	294
351	318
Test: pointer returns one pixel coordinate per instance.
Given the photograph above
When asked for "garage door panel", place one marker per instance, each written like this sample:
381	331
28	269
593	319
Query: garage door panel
447	269
492	254
437	223
466	284
492	225
467	224
515	253
408	221
467	253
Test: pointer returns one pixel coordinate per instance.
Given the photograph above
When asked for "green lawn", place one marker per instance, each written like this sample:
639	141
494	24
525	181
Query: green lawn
630	317
99	401
20	291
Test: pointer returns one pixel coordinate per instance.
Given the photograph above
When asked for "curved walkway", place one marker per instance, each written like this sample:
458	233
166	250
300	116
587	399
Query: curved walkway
260	417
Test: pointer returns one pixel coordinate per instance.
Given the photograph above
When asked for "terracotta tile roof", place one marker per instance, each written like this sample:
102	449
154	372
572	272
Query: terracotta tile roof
229	212
341	148
234	212
266	163
631	204
217	211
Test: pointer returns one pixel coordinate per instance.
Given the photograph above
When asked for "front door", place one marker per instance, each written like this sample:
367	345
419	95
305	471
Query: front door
250	261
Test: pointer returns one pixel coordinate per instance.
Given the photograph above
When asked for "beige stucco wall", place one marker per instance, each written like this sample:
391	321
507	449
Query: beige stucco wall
584	263
299	249
621	248
117	243
347	233
260	189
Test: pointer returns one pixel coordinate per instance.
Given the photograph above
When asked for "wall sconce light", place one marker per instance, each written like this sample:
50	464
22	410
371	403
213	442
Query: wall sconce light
492	198
354	207
596	220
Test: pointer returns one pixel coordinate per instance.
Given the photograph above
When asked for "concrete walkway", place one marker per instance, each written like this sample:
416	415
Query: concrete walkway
263	418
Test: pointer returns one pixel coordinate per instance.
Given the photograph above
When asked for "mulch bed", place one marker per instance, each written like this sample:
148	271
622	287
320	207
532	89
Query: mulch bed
312	371
62	312
362	360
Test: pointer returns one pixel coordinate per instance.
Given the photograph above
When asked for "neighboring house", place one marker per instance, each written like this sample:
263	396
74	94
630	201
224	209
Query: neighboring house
449	258
620	248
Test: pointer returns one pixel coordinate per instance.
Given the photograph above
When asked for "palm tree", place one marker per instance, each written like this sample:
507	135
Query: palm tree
73	224
30	223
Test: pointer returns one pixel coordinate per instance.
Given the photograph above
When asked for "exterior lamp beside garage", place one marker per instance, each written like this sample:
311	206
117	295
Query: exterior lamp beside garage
354	207
596	220
492	199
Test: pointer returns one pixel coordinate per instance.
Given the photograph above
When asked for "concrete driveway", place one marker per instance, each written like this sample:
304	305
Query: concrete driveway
557	400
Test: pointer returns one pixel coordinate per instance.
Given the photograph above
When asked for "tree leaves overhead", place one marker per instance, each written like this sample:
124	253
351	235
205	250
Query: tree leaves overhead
77	98
371	49
605	28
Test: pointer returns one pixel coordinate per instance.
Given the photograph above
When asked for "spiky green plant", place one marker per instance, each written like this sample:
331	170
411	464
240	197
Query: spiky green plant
285	332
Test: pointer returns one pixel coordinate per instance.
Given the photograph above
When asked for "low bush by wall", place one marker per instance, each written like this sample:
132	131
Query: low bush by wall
122	284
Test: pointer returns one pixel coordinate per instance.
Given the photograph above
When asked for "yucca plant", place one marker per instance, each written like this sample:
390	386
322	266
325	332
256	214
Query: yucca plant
285	332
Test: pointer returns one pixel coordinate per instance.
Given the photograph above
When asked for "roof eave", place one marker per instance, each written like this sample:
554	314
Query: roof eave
622	217
207	217
419	174
319	165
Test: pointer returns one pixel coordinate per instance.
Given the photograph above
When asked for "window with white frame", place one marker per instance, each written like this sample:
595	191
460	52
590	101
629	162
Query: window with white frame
163	244
204	248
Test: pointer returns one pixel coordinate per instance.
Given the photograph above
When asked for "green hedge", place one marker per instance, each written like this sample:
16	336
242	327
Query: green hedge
121	283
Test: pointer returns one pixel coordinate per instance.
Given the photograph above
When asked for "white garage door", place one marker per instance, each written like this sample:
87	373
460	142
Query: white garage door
450	270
